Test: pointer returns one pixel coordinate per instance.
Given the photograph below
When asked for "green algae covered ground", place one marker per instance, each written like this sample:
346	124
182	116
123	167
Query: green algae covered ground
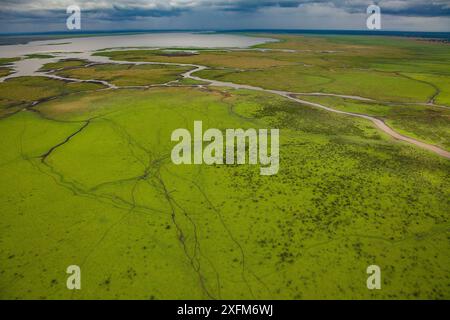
5	68
422	122
21	92
126	75
87	180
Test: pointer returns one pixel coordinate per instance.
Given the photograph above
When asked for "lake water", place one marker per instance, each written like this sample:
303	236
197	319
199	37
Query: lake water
154	40
82	48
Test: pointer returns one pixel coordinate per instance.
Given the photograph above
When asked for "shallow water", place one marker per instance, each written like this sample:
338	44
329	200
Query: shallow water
82	48
185	40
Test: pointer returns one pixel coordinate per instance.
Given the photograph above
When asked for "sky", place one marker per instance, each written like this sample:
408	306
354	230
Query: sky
50	15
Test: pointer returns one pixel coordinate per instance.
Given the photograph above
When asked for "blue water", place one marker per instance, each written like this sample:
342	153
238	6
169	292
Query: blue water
411	34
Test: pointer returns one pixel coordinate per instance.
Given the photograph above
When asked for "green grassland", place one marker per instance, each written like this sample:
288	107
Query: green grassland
426	123
87	179
21	92
306	79
111	201
441	84
372	67
126	74
64	64
39	56
5	72
4	61
228	59
190	82
5	69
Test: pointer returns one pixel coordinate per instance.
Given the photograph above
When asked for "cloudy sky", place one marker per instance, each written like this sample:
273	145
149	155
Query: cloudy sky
50	15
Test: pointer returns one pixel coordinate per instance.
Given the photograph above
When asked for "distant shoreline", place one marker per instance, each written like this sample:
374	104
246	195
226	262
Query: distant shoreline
23	38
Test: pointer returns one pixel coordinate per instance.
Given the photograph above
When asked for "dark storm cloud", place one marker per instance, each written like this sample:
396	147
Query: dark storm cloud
421	10
118	12
163	8
216	14
418	8
254	5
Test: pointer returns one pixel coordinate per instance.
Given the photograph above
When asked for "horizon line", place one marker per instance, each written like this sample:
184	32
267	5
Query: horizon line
101	31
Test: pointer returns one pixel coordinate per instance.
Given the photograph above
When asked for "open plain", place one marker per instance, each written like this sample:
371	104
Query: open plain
86	176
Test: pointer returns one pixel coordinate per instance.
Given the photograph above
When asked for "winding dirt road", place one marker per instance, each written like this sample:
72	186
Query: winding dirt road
291	96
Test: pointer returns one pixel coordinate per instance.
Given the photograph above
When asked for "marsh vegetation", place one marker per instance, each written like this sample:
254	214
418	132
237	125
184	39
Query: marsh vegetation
87	179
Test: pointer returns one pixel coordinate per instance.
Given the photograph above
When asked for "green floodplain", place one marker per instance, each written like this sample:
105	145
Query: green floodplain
87	179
